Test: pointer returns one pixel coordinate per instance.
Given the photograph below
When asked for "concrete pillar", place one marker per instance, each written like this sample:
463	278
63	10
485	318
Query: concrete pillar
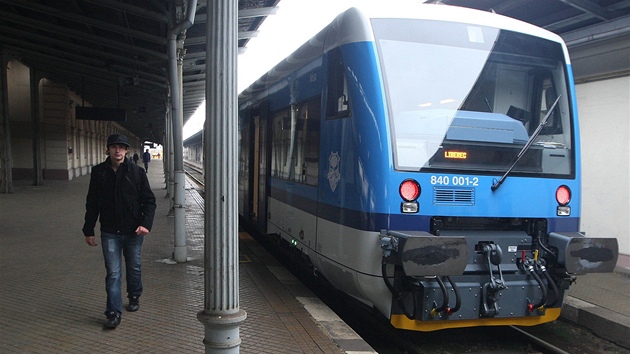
221	315
6	165
38	178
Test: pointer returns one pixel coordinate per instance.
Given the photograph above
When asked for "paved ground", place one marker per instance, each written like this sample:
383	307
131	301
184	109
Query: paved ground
52	289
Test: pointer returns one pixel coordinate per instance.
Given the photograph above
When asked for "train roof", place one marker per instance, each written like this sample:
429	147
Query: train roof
445	13
353	25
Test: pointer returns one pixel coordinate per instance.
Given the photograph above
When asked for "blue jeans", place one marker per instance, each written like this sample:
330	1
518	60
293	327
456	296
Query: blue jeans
114	247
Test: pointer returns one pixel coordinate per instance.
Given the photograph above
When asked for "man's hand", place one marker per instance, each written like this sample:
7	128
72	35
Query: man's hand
142	231
90	240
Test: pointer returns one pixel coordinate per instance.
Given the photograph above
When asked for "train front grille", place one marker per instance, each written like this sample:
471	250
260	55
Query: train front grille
453	196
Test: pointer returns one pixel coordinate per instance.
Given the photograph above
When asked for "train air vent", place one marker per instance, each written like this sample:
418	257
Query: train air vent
453	196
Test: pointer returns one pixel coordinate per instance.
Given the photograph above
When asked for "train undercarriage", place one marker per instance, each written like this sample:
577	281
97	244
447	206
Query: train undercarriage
470	271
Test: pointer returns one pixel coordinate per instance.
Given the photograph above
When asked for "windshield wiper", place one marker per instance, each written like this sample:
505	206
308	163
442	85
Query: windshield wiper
529	143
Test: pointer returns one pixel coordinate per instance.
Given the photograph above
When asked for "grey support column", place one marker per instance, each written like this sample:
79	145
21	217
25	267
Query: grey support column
179	190
176	57
221	315
166	154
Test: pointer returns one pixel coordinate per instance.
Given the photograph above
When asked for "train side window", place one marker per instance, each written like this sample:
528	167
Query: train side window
280	143
337	99
307	154
295	142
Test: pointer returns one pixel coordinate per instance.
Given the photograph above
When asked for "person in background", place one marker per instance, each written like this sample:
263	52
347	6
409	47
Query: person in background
136	158
146	158
121	198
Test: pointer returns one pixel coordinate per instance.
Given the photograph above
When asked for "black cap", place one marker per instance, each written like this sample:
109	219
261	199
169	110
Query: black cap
117	139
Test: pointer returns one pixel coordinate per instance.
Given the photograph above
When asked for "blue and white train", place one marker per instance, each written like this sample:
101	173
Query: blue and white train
426	161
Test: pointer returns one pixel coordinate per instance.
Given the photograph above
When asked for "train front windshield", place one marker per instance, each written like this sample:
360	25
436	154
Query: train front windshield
468	98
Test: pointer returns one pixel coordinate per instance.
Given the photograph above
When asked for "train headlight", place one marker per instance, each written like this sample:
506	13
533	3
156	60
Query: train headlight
409	191
563	211
409	207
563	197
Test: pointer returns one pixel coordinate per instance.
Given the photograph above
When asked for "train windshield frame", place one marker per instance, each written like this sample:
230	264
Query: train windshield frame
466	98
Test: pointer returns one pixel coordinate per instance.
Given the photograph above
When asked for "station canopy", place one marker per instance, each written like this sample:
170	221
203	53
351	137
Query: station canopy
113	53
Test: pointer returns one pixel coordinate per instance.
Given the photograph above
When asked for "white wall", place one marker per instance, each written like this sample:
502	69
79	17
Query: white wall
604	113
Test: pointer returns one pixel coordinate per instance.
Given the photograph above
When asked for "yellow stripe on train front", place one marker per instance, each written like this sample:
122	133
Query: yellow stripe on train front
402	322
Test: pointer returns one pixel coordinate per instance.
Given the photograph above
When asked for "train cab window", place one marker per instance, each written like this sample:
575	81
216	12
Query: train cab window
548	97
476	114
338	104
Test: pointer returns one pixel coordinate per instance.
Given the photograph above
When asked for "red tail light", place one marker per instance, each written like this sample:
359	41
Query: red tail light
563	195
409	190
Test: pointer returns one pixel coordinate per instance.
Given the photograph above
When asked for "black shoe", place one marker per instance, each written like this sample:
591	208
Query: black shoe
134	304
113	320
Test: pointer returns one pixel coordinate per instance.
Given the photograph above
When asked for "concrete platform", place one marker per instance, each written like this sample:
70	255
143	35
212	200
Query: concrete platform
52	288
601	303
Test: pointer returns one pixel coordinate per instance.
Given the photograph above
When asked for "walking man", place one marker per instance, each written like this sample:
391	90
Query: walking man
146	158
121	198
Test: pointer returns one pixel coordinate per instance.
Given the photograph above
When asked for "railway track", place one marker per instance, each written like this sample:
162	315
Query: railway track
195	173
375	328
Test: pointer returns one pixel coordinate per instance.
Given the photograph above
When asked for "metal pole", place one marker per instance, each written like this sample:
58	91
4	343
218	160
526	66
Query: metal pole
166	153
179	198
221	315
171	179
175	55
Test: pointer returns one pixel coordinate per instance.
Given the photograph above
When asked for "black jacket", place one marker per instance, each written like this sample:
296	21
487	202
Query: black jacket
123	199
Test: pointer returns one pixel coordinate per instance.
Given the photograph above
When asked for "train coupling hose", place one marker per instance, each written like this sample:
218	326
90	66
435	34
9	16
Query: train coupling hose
529	266
389	244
